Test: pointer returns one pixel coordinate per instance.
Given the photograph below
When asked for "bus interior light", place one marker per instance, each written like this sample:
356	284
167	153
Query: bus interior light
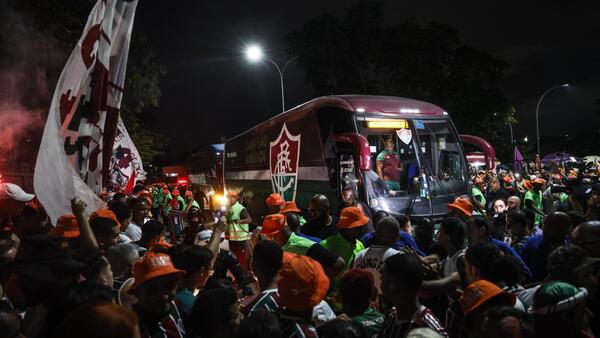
387	124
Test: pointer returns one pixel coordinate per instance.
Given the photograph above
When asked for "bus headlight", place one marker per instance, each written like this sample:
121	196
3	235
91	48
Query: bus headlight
373	203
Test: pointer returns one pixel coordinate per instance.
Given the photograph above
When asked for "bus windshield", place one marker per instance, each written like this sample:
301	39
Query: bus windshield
442	159
410	152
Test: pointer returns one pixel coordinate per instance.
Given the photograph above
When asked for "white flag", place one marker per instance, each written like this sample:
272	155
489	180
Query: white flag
77	143
126	168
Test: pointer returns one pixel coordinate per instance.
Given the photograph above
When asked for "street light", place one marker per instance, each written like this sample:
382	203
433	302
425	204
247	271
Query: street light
255	54
537	110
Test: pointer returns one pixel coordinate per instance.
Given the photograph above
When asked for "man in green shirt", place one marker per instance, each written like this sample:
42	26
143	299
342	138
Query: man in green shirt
533	200
358	292
345	243
477	193
275	229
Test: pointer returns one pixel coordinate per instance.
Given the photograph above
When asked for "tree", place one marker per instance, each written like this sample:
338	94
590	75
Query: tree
142	93
357	54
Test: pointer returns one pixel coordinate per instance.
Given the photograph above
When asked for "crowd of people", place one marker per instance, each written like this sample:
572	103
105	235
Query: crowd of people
517	257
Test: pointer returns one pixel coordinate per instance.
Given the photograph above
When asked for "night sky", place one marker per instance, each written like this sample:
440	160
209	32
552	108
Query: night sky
211	91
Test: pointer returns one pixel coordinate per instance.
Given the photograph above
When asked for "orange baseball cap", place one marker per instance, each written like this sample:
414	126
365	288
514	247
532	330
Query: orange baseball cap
165	191
175	192
66	227
273	224
302	283
507	179
527	185
352	217
189	193
480	292
539	181
151	266
463	205
274	199
104	213
289	206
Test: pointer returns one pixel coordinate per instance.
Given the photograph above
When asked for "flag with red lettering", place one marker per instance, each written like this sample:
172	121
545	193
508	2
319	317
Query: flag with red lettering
78	138
126	168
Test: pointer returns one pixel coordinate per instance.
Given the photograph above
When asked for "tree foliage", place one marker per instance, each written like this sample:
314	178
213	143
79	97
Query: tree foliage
142	93
358	54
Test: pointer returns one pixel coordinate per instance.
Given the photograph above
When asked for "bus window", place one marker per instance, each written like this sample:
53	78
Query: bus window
441	156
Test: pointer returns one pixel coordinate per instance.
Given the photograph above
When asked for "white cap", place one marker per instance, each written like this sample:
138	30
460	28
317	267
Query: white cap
203	236
13	191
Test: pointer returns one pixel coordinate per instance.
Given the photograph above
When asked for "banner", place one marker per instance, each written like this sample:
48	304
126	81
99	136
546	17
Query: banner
126	168
78	138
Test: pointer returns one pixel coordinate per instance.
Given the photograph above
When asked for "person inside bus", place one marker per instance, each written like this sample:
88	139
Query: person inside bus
389	166
349	199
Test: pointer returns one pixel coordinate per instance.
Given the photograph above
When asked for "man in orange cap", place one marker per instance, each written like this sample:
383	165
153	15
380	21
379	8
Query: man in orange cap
533	200
345	243
302	285
155	284
106	228
274	203
291	207
238	233
275	228
178	203
477	299
461	208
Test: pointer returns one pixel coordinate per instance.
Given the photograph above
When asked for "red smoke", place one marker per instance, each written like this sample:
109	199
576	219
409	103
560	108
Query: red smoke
29	70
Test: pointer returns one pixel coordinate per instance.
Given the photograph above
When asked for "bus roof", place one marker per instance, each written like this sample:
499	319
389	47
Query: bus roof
363	105
370	104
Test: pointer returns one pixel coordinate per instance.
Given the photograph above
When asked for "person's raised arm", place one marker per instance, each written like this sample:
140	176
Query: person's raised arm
86	237
215	240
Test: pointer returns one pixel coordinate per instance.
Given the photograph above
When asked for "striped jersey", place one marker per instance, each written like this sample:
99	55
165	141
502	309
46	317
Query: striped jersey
395	328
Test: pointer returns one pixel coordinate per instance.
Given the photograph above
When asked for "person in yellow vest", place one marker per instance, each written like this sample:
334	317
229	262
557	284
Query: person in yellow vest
275	228
238	232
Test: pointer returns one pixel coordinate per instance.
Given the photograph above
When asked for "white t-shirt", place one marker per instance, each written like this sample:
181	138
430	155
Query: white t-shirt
134	232
371	259
449	264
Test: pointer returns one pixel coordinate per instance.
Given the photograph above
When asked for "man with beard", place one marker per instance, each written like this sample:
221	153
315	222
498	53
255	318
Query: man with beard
321	224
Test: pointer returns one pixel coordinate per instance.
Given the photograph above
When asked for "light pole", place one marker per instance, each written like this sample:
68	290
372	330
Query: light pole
255	54
537	112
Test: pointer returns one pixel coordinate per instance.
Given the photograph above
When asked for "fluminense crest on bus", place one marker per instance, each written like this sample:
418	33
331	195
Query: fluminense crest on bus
284	154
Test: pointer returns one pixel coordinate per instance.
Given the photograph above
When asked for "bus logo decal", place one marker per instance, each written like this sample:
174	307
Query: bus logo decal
284	155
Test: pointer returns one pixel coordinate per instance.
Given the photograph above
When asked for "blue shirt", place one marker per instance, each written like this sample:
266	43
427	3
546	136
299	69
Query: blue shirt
314	239
507	250
405	240
535	253
185	298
